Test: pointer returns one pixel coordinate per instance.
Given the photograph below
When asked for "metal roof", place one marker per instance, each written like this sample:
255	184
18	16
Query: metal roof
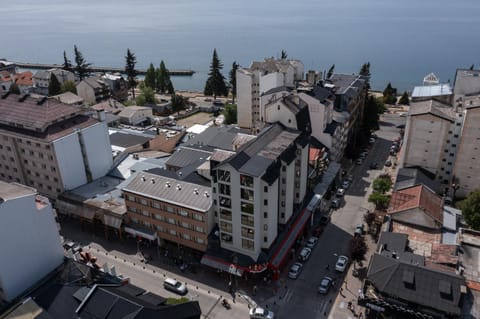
432	90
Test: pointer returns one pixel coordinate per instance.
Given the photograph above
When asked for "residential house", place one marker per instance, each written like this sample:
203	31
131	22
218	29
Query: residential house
70	98
10	67
136	115
6	80
117	84
49	145
41	79
24	82
93	90
27	220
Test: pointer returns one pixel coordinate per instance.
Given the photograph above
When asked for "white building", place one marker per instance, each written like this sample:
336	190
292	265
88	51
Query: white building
50	146
258	187
41	79
259	78
29	241
135	115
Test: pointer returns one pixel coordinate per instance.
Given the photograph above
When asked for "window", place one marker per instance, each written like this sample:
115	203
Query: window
284	168
198	217
131	209
170	209
159	217
183	213
283	180
199	229
224	226
265	227
247	232
265	239
173	232
225	214
143	201
265	189
200	240
248	244
265	202
265	215
283	203
246	180
171	221
186	236
185	225
147	224
224	176
131	198
156	205
225	202
246	207
160	228
246	194
224	189
145	213
247	220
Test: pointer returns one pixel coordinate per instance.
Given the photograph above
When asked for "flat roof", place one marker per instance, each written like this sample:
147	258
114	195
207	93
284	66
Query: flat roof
432	90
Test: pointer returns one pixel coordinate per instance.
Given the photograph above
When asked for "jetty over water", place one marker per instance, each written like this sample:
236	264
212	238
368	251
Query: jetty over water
104	69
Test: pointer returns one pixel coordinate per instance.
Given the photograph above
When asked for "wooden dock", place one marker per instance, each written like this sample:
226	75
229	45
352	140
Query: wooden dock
103	69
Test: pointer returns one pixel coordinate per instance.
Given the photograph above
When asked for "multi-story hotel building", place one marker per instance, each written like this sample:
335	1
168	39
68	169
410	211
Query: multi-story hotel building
50	146
165	208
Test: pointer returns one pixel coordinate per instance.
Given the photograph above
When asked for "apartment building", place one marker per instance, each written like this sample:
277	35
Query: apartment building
29	239
258	187
49	145
41	79
259	78
166	208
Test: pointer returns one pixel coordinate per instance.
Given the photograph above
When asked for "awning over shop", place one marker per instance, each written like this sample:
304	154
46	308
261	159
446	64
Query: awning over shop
66	208
328	178
287	244
112	221
222	265
139	231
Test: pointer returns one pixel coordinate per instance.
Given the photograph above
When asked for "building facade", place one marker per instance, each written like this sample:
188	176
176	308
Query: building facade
29	239
93	90
49	145
162	208
41	79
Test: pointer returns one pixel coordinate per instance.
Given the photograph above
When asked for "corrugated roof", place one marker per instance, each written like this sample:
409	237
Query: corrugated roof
432	90
181	193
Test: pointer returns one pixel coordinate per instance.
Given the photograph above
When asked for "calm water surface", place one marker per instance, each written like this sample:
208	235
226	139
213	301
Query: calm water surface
403	40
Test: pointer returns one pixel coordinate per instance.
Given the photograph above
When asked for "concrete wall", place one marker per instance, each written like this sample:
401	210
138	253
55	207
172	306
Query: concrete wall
278	112
86	92
29	243
244	99
98	149
70	161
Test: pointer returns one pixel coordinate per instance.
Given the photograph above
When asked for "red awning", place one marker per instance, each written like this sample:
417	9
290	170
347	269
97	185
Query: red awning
287	243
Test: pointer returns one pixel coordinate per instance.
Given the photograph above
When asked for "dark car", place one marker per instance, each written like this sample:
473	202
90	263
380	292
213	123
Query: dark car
388	163
324	219
374	165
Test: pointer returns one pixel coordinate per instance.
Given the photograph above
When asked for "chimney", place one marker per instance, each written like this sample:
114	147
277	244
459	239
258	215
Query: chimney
143	178
153	181
101	115
394	254
158	131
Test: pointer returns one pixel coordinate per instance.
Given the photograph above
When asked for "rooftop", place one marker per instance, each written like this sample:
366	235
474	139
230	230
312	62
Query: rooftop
467	82
127	140
9	191
222	137
432	90
413	176
433	107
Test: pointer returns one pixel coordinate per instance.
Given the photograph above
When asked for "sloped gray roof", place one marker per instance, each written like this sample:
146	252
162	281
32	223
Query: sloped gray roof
127	140
389	275
185	156
433	107
216	137
408	177
189	195
467	82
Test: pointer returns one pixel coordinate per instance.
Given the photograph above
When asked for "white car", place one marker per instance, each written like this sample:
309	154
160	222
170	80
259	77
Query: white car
260	313
312	242
175	286
295	270
341	264
340	192
304	254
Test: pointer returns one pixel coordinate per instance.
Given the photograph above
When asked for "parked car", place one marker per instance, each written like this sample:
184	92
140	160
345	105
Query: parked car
295	270
175	286
359	230
304	254
388	163
359	161
374	165
371	140
260	313
336	203
340	192
393	152
325	285
345	184
350	178
324	219
312	242
75	247
341	264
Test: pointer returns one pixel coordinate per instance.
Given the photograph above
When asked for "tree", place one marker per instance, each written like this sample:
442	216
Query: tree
69	86
371	112
215	84
380	200
369	218
233	80
164	84
472	66
404	99
470	207
382	184
358	248
284	55
54	87
14	88
130	61
230	113
146	96
330	71
82	66
365	69
390	94
178	102
150	77
67	64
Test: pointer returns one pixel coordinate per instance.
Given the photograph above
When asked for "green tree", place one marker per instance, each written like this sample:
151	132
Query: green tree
164	84
215	84
371	112
14	88
150	77
358	248
472	66
67	64
365	69
82	66
390	94
404	99
284	55
470	207
380	200
146	96
178	102
130	61
230	113
69	86
54	87
233	79
331	71
382	184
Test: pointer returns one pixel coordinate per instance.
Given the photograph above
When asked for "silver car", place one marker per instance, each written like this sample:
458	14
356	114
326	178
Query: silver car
325	285
295	270
341	264
312	242
175	286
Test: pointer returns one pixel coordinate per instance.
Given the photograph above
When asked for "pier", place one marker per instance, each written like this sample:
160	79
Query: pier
103	69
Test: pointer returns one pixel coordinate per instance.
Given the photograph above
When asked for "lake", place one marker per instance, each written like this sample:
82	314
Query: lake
403	40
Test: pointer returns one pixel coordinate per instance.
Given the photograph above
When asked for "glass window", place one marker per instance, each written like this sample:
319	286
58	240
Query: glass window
170	209
225	214
225	202
171	221
246	194
200	240
248	244
247	220
173	232
156	205
145	213
159	217
246	207
224	176
199	229
185	225
183	213
247	232
224	226
186	236
224	189
143	201
198	217
246	180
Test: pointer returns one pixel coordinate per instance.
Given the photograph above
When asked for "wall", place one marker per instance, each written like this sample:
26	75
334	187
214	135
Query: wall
36	250
244	99
70	161
86	92
98	149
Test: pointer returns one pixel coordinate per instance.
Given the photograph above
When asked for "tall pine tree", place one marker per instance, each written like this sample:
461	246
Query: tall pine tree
54	86
233	79
82	66
215	84
150	77
164	84
330	71
130	61
67	64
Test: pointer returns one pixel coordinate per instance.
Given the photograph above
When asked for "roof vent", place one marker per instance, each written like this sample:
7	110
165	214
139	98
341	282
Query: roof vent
179	187
42	100
23	97
206	194
143	178
195	191
167	184
152	180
